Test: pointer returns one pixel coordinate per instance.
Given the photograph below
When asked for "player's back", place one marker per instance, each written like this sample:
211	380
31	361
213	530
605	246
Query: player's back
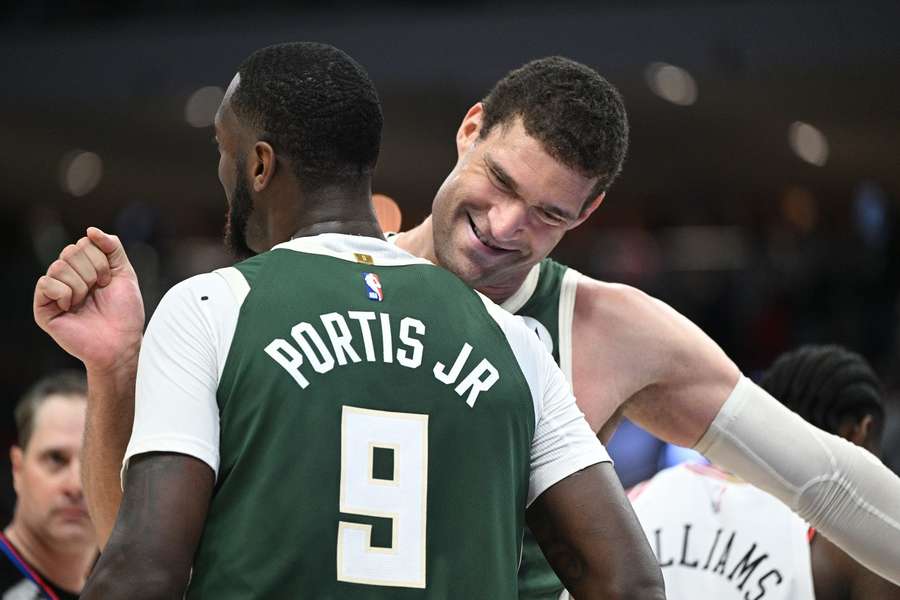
375	433
718	538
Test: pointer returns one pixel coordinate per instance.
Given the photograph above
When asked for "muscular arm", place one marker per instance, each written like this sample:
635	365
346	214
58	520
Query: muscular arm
157	530
634	354
110	415
682	388
590	535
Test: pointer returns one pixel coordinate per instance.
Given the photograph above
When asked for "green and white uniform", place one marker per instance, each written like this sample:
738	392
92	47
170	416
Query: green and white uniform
546	301
372	437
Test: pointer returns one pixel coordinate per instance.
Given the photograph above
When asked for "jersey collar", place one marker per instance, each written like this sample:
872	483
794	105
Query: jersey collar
350	247
525	291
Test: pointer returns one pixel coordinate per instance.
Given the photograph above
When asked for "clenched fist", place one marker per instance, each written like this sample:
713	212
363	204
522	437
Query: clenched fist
90	303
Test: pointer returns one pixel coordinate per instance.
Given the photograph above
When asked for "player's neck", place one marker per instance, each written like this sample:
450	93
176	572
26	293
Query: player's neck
418	241
65	567
343	209
354	227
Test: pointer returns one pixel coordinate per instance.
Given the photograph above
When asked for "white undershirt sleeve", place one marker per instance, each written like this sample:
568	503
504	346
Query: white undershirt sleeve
563	442
181	360
839	488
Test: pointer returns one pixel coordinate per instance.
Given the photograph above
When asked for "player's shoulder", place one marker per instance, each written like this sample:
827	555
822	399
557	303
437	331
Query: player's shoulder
201	296
616	308
605	295
197	284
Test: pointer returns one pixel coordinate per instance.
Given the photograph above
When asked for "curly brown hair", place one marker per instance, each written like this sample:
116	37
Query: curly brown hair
577	115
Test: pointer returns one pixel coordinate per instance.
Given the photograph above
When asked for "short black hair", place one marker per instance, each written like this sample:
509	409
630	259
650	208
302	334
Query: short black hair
825	385
577	115
316	106
68	384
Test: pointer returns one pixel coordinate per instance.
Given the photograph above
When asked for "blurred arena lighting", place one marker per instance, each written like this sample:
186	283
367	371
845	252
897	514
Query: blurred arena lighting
700	248
799	207
80	172
630	254
671	83
808	143
390	218
48	235
200	109
870	213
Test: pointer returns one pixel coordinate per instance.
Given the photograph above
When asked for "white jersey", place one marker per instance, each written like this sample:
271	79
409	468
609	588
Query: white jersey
717	538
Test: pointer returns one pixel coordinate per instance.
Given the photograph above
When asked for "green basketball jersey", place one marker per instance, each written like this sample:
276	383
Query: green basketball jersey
547	301
376	426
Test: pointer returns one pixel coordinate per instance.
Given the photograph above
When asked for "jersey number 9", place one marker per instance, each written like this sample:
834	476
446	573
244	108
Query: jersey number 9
400	497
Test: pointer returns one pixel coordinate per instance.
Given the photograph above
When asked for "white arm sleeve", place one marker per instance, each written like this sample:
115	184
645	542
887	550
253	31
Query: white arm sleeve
182	357
839	488
563	441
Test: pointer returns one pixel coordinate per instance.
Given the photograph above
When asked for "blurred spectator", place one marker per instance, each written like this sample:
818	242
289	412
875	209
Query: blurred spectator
49	546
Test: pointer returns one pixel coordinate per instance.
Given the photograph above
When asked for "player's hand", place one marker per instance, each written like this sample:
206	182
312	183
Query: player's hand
90	303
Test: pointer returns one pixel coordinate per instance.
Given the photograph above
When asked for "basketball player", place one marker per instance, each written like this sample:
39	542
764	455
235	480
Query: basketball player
718	537
535	159
338	418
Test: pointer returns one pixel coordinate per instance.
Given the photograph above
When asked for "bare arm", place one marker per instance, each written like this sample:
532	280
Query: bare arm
157	531
590	535
633	353
110	415
90	304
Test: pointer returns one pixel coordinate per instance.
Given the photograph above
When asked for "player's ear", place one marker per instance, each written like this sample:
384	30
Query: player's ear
864	430
264	166
469	129
587	210
856	431
15	457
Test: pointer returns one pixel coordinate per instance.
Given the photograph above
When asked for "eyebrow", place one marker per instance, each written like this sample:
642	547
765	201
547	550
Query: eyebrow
51	450
506	179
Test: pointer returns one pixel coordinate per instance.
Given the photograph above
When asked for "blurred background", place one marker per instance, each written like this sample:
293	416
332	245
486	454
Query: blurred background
760	196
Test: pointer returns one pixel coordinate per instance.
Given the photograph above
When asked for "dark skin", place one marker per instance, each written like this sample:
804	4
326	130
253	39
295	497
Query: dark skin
152	545
836	576
593	555
598	547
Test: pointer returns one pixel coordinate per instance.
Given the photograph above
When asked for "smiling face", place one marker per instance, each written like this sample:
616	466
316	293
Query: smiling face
505	205
47	475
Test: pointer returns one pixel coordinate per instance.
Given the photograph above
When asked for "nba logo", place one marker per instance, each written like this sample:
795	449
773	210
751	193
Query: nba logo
373	287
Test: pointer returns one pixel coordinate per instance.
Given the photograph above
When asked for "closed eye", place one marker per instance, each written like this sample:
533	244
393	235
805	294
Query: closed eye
551	218
499	181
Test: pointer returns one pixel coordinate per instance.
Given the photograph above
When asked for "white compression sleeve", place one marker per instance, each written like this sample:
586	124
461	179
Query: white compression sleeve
839	488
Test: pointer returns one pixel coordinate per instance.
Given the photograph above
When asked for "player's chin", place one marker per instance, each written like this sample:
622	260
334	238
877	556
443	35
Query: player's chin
479	271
